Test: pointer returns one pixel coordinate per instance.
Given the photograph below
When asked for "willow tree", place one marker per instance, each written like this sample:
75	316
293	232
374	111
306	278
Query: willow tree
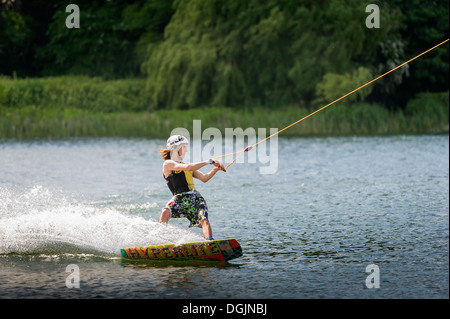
259	52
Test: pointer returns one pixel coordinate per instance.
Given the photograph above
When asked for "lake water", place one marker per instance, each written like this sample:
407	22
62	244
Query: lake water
334	207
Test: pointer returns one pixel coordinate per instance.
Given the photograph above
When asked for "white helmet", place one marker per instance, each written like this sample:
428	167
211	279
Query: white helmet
175	140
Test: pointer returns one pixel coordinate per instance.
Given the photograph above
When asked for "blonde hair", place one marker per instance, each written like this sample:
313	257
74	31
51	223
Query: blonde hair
165	154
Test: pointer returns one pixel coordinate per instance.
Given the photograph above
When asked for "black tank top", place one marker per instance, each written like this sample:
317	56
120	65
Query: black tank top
180	182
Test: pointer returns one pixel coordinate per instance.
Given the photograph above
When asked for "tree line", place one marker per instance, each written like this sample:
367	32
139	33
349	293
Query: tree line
233	53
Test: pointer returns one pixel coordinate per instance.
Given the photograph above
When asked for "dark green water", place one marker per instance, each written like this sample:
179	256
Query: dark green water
333	207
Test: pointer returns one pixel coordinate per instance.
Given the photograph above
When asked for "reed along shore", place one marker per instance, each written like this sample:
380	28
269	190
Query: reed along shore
81	106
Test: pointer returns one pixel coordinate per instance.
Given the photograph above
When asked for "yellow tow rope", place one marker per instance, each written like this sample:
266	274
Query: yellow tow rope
248	148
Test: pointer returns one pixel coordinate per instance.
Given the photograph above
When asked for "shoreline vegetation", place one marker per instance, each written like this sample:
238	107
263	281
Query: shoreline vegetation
78	106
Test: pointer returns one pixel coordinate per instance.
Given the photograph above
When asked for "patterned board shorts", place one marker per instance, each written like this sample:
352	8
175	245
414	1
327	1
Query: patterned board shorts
191	205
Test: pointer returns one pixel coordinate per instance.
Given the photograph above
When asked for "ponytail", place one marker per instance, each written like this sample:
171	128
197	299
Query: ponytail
165	154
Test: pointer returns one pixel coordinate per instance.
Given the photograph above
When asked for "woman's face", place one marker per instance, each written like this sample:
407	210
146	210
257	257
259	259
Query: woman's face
183	150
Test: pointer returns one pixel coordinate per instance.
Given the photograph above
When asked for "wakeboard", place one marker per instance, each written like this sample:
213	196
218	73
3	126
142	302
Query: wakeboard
211	250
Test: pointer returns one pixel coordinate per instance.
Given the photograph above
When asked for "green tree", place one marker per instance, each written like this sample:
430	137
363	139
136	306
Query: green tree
146	20
105	44
96	48
334	86
15	36
23	24
266	52
424	24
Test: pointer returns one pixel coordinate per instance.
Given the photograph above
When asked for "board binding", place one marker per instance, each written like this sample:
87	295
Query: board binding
211	250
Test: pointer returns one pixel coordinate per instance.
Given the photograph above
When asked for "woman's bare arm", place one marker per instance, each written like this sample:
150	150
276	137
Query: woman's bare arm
170	166
206	177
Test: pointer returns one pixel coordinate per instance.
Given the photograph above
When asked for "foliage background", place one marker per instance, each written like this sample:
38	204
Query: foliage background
150	55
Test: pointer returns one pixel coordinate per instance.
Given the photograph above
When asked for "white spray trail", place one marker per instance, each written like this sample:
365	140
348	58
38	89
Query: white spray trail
40	222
